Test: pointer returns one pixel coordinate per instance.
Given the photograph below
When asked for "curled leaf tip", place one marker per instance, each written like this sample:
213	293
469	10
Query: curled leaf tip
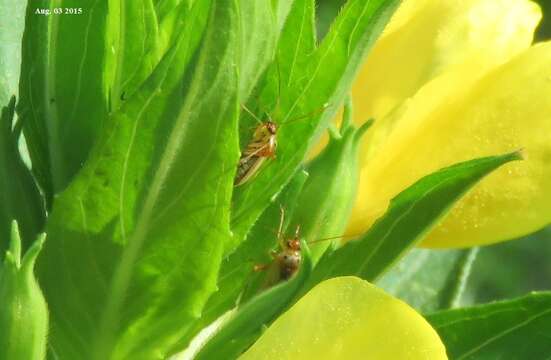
364	127
11	260
334	134
31	255
347	115
15	243
519	154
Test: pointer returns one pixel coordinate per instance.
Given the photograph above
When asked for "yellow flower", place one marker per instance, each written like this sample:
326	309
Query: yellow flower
348	318
449	81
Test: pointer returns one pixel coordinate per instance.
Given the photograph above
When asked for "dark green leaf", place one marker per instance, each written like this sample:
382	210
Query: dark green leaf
511	269
429	280
139	233
19	197
543	32
310	77
514	330
244	327
409	217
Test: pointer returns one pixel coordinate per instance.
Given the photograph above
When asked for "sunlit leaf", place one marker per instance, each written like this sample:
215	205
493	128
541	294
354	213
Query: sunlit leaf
140	231
409	217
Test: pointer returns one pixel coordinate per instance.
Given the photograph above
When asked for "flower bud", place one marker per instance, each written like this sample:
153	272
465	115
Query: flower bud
23	311
326	200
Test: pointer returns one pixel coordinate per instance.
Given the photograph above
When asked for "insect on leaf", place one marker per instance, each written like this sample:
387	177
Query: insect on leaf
244	327
236	272
310	78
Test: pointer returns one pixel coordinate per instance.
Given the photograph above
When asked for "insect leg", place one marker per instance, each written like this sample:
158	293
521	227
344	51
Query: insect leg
254	153
260	267
280	229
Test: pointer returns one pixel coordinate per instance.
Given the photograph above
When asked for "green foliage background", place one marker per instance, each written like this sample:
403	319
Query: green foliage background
134	146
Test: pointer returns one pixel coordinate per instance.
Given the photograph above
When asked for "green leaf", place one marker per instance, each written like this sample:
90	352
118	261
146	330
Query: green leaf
516	329
310	77
237	268
63	105
132	37
19	197
65	99
170	19
139	233
410	215
238	332
429	280
138	35
163	8
236	272
12	18
260	30
544	29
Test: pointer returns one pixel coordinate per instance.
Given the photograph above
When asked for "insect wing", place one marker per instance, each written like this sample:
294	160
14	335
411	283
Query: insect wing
247	169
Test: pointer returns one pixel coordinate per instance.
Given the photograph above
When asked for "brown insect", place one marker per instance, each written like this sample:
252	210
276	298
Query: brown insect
287	260
262	146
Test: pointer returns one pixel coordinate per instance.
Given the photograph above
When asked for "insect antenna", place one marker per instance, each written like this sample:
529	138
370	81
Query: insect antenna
306	116
280	228
333	238
244	107
278	101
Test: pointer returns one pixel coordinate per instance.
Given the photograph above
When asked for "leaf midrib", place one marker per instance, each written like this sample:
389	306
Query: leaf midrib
123	271
503	333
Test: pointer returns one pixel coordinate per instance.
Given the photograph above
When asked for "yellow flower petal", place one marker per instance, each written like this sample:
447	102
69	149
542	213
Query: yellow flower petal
506	110
427	37
348	318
